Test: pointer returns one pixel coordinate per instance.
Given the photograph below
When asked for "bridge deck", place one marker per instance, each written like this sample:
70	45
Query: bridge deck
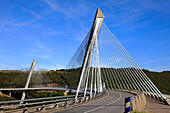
114	101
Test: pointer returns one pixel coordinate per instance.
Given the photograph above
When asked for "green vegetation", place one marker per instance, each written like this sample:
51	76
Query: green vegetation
5	97
42	94
17	79
70	77
160	79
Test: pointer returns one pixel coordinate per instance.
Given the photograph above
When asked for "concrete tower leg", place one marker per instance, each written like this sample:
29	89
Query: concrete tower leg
28	80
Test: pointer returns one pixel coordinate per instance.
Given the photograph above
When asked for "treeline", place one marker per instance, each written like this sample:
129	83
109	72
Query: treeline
61	78
69	78
160	79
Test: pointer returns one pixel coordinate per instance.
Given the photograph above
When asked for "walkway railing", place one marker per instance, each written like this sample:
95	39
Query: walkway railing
40	104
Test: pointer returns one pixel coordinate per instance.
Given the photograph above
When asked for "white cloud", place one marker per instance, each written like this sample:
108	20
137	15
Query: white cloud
157	60
160	68
31	12
55	6
58	66
38	49
45	56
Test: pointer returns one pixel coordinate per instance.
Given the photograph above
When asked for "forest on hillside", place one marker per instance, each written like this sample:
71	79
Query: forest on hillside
62	78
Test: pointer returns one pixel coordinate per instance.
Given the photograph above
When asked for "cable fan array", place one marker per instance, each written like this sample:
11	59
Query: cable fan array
109	63
119	70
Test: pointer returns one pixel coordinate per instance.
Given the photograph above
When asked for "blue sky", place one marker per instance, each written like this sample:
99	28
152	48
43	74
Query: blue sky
50	31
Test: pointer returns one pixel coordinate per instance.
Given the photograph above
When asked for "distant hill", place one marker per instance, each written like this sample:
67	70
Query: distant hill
160	79
70	78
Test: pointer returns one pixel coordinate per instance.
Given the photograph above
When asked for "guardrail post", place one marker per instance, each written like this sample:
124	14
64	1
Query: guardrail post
81	100
127	105
1	109
66	102
96	95
25	108
90	97
74	101
85	98
43	107
56	105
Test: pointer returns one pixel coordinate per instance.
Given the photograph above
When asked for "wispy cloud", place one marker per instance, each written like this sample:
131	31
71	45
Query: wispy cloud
129	15
66	8
58	66
137	26
60	8
142	58
6	67
157	60
72	12
13	24
40	45
160	68
38	49
42	51
37	16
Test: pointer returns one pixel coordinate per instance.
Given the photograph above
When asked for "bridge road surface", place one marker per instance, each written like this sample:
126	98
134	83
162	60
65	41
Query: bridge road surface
112	103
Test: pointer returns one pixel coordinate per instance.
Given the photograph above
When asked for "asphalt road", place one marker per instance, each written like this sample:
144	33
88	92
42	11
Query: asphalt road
112	103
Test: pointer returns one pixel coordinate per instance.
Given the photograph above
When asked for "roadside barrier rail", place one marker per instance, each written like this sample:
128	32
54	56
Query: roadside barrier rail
40	104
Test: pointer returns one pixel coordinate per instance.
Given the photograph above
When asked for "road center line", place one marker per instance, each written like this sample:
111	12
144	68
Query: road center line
106	104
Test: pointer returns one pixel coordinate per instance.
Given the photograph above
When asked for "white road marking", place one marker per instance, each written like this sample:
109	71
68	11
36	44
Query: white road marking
97	100
85	103
106	104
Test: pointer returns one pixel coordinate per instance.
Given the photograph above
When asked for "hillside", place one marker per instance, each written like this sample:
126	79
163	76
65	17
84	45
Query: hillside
63	77
160	79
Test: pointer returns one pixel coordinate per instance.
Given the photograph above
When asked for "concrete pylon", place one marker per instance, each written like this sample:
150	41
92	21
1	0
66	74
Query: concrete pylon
28	80
98	20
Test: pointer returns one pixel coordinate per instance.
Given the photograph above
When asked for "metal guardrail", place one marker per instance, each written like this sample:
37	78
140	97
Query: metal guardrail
40	104
38	88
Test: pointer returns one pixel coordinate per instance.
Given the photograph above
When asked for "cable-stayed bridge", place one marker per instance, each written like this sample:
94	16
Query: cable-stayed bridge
104	66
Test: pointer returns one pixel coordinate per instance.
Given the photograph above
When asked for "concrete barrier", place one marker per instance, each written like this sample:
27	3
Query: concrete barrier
138	103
